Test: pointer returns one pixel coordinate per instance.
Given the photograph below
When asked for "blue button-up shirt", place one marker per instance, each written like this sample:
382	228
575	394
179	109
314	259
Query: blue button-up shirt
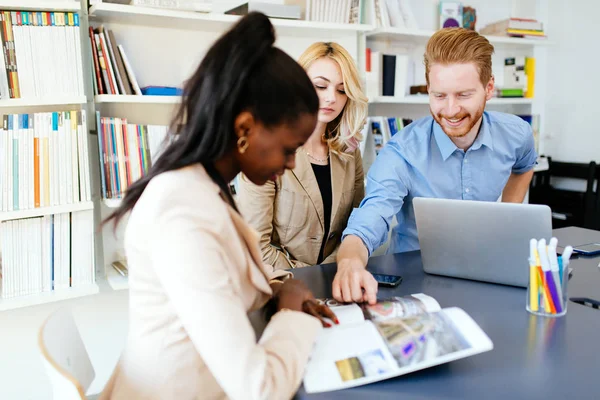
422	161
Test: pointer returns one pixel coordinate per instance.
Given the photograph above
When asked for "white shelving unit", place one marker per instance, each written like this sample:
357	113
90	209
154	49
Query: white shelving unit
48	297
33	5
112	203
420	36
174	19
43	101
47	104
41	211
417	99
133	99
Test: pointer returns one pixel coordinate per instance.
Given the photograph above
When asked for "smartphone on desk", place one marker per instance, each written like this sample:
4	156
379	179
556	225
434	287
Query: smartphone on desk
388	280
590	249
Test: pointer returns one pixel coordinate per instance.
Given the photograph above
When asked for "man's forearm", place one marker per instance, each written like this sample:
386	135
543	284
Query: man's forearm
516	187
352	249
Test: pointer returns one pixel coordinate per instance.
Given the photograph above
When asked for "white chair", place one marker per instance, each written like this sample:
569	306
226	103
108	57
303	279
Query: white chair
65	357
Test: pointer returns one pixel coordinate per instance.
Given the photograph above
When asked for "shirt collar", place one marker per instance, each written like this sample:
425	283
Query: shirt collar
447	147
485	135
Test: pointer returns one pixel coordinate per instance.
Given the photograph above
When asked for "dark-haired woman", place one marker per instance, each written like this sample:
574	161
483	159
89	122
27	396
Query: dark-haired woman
195	265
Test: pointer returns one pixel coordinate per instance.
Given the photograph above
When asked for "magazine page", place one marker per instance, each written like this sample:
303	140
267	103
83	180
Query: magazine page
384	309
346	313
347	354
354	355
400	307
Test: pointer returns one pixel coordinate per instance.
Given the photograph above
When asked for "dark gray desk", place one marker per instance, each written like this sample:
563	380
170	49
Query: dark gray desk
533	357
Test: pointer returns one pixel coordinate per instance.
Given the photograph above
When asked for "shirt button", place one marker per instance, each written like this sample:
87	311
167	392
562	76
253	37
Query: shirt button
466	161
467	190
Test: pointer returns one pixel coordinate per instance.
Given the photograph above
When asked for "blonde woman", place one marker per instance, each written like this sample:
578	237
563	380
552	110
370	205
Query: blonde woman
301	213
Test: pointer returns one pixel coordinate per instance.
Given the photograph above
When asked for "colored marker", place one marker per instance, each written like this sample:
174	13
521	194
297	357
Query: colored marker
533	278
549	286
540	273
553	259
564	264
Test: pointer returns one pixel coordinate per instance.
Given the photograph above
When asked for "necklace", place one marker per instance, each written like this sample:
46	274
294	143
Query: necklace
317	159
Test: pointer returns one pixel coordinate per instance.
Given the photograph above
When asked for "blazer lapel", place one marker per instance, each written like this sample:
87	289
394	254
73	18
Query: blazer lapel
338	176
306	176
258	276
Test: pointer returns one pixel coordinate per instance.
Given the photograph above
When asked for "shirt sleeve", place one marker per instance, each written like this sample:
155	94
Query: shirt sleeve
190	257
386	190
526	154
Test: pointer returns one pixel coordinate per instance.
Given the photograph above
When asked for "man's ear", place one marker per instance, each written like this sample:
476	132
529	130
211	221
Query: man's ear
244	124
489	89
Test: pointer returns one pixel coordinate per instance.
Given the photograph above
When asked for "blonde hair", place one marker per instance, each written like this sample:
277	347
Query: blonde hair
344	132
459	46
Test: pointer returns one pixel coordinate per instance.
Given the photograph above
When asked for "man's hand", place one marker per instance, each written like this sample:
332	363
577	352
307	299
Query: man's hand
350	281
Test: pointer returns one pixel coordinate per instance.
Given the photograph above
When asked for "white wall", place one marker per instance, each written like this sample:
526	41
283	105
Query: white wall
572	132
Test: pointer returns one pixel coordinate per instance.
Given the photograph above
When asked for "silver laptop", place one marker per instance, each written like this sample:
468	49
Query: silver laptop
484	241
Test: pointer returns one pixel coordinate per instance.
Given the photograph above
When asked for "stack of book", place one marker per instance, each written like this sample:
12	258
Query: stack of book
336	11
47	254
112	69
388	74
43	160
516	27
126	152
41	53
377	131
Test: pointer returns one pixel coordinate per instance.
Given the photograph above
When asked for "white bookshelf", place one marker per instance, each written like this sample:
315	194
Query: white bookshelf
134	99
47	297
417	99
112	203
59	103
33	5
175	19
42	211
43	101
421	36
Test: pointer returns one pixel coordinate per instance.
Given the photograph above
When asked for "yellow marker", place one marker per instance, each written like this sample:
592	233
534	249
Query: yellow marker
533	277
533	288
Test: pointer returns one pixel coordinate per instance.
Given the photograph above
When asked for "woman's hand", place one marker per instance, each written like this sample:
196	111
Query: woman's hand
294	295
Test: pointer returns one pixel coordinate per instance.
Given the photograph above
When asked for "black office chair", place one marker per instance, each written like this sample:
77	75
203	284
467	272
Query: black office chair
569	207
595	224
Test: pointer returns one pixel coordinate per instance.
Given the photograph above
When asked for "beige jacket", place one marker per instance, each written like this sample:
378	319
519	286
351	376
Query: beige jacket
289	214
195	272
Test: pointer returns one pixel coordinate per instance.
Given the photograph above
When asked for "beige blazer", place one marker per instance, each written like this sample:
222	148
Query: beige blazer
195	272
289	214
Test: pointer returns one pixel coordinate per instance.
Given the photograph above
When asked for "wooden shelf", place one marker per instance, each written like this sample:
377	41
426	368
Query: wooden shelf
132	99
165	18
41	211
47	297
417	99
34	5
43	101
421	36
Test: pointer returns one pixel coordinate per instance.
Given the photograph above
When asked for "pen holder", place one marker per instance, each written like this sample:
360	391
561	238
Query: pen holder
547	292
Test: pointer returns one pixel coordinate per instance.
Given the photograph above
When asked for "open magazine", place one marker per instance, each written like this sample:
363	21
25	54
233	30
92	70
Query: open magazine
391	338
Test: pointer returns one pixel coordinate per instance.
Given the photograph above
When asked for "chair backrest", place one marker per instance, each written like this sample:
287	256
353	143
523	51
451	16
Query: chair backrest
596	216
65	357
577	207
